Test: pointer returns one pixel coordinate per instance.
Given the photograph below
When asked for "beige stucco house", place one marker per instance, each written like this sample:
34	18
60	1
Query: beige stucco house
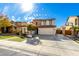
45	26
71	21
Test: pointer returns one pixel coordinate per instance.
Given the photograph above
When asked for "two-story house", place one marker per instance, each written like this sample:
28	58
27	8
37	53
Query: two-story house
45	26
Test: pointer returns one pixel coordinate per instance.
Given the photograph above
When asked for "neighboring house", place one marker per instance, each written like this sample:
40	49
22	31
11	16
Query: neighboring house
45	26
72	21
21	26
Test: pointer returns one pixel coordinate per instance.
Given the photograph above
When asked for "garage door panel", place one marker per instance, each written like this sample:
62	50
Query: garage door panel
46	31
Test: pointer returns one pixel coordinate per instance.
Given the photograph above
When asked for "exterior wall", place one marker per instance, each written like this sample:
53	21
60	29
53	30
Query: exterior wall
20	23
47	22
46	31
22	29
44	22
68	27
45	26
21	26
53	22
37	22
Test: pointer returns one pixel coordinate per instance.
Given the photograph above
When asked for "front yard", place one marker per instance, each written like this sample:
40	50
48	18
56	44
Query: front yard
5	37
12	38
17	39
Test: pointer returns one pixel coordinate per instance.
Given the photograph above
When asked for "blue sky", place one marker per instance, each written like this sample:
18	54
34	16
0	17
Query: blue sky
60	11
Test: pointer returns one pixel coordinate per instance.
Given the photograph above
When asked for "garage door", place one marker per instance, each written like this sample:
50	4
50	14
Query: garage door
46	31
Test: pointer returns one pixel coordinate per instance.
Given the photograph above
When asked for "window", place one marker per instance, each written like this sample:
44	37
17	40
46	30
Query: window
75	21
44	22
50	22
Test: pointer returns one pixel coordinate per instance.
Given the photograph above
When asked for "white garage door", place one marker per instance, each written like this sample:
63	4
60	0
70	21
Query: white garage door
46	31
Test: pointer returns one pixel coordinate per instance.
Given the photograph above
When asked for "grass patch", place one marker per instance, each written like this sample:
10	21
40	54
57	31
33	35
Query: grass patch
17	39
5	37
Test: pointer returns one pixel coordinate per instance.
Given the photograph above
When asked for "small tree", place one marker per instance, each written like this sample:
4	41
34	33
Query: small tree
4	22
76	29
31	27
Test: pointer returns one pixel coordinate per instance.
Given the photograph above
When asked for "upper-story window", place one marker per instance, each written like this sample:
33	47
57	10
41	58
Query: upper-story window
75	21
47	22
50	22
44	22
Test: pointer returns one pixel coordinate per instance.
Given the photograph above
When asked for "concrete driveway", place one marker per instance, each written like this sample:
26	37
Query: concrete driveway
61	45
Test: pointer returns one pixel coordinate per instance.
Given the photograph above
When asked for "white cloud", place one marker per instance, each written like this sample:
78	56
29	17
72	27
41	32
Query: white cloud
13	18
19	19
30	17
39	14
26	18
35	15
